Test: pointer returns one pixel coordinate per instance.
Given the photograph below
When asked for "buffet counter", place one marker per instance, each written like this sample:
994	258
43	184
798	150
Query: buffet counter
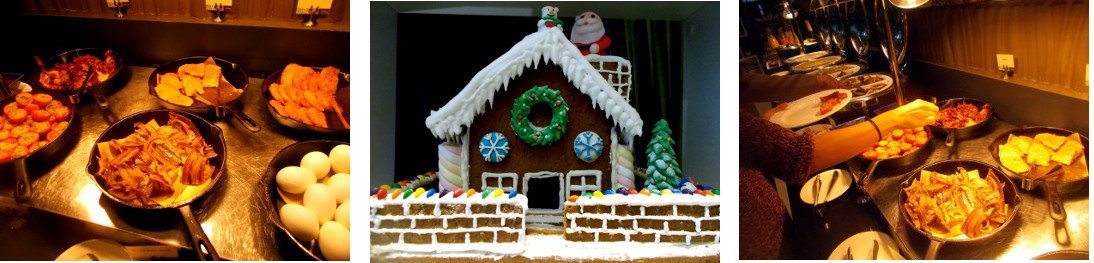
233	214
1031	233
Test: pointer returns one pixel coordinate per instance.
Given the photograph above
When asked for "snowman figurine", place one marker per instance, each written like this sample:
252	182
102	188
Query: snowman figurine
549	18
588	34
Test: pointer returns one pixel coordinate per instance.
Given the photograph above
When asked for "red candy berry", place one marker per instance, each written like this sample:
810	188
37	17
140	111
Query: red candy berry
458	193
520	117
381	194
535	138
558	103
632	191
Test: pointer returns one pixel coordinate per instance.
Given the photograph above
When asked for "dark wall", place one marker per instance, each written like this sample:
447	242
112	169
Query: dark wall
1013	103
260	50
437	56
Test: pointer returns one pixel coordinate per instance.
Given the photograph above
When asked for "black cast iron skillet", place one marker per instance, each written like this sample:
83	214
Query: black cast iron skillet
1010	197
22	181
212	135
1055	205
231	71
335	125
98	91
913	157
952	134
290	156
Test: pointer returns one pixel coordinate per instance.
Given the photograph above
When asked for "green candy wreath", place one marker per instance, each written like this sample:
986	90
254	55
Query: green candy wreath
540	136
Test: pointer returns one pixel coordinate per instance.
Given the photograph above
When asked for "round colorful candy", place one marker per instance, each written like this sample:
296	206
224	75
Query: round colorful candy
588	146
396	193
457	193
470	192
666	192
494	147
573	198
621	190
443	192
430	193
609	192
418	192
632	191
373	191
716	192
587	195
485	194
385	187
645	192
598	194
676	191
512	194
686	191
498	193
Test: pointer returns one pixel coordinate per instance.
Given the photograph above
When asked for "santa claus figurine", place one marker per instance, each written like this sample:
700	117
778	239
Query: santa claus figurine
588	34
549	18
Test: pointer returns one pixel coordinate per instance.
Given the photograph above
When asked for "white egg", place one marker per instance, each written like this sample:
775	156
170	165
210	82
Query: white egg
342	215
339	186
317	162
334	241
320	201
339	159
300	222
294	179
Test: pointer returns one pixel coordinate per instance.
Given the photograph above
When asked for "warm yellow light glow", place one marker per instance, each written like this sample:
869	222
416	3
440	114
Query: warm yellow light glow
89	198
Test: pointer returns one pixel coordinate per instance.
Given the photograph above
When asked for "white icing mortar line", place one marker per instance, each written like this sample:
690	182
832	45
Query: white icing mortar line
545	247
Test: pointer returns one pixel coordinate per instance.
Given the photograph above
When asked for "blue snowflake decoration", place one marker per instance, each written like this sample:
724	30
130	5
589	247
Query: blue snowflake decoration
494	147
588	146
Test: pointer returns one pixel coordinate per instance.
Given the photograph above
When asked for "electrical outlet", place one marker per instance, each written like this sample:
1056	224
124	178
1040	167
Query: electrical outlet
1006	60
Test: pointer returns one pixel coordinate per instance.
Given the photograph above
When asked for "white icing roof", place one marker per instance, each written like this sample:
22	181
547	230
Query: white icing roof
551	45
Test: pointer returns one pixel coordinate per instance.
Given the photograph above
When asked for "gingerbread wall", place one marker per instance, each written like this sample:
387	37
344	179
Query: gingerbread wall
524	158
669	223
446	223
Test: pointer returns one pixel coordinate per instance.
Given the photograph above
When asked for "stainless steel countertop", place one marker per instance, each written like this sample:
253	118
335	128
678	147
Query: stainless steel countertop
1031	233
232	213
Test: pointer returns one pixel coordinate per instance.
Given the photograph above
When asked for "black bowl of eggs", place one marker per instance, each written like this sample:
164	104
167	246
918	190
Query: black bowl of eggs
308	188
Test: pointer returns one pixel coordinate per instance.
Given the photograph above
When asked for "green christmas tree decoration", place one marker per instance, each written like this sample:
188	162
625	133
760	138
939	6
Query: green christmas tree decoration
663	172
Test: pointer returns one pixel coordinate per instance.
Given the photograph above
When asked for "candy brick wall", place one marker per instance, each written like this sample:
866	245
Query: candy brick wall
448	220
636	220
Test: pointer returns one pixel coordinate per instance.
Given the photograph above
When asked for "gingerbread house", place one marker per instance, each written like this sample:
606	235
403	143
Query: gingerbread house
540	120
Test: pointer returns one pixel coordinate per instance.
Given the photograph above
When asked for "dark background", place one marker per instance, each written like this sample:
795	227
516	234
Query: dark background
259	50
438	55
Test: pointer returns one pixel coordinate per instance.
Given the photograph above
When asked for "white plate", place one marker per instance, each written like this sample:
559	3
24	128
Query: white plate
886	82
103	249
847	70
816	63
862	245
817	129
841	184
807	57
806	110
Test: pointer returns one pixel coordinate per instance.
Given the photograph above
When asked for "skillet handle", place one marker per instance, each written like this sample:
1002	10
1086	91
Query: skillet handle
197	235
951	137
247	122
932	250
1055	205
22	184
100	98
869	172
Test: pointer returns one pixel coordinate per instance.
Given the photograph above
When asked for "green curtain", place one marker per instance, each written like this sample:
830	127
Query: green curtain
655	49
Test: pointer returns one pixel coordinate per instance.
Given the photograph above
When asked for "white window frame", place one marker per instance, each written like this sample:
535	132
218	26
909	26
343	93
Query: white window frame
584	175
486	176
561	191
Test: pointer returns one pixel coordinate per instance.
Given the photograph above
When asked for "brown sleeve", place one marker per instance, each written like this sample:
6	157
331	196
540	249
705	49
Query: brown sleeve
775	151
762	88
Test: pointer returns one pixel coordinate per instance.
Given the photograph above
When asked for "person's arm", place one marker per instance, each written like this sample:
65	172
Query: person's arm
834	147
762	88
773	150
